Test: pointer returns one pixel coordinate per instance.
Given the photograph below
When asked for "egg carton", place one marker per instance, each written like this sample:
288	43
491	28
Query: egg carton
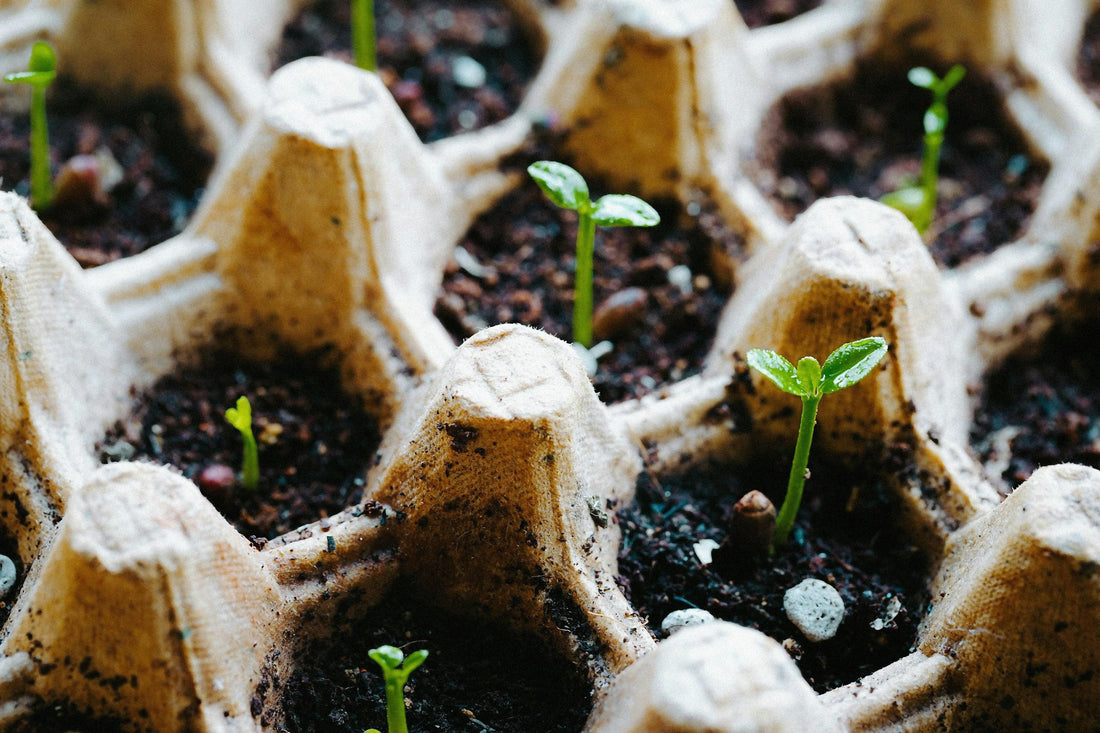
328	223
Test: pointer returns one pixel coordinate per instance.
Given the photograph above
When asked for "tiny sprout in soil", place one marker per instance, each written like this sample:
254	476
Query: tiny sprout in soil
811	381
567	189
362	34
240	417
918	201
40	73
396	675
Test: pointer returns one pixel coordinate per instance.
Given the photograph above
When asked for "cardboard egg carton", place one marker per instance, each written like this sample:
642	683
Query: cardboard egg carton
328	223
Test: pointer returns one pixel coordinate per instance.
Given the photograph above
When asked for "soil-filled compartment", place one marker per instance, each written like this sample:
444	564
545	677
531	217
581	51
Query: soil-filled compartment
476	678
863	136
452	66
141	172
657	296
846	534
315	441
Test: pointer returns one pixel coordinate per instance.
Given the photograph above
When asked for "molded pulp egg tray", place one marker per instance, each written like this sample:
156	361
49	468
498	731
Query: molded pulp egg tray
327	223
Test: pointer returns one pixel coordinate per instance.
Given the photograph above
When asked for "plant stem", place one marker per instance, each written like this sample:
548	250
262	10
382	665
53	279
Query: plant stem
930	171
582	282
41	188
395	702
362	34
250	466
785	520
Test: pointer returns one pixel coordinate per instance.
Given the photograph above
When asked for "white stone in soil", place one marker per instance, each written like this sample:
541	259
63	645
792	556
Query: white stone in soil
815	607
683	618
7	575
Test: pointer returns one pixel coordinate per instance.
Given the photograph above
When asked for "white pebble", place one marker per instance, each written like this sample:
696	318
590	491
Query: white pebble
704	550
685	617
680	277
7	575
815	608
468	72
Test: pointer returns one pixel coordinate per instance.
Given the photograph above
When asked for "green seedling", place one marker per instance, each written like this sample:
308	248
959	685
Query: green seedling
40	73
567	189
396	675
240	417
811	381
918	201
362	34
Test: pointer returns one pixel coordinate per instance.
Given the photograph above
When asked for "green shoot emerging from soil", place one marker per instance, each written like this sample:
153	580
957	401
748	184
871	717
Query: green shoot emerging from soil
362	34
41	71
567	189
918	201
396	675
240	417
811	381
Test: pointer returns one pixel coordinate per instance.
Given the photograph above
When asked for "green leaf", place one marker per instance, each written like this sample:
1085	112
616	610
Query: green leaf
912	201
43	58
809	375
562	185
922	77
623	210
240	416
388	657
414	660
953	76
851	362
776	368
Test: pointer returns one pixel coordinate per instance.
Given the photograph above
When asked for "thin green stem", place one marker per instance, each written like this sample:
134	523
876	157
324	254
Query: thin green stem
785	520
41	187
582	283
395	702
250	466
362	34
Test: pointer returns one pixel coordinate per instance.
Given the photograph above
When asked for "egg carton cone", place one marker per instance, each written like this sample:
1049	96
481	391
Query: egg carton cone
329	224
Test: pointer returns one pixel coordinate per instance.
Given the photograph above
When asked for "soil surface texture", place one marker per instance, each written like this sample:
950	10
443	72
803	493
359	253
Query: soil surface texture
759	13
844	535
476	678
315	441
1088	58
1041	408
862	136
516	264
452	66
163	171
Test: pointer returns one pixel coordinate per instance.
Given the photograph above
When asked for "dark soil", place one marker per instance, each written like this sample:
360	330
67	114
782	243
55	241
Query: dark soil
1050	398
10	548
1088	58
476	678
528	249
419	44
863	136
842	535
768	12
163	171
315	441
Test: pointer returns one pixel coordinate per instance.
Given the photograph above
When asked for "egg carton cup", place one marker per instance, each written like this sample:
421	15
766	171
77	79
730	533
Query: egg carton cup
328	223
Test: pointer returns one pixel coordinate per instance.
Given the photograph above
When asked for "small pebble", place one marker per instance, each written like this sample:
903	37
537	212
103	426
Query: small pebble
685	617
680	278
7	575
468	72
216	482
815	608
618	312
704	550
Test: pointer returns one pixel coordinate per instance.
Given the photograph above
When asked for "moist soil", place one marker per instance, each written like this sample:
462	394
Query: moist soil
1088	58
523	252
844	535
425	49
163	171
315	441
759	13
1040	408
862	136
476	678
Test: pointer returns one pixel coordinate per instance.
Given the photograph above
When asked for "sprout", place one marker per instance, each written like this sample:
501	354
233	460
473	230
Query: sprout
396	675
240	417
567	189
40	73
918	201
362	34
811	381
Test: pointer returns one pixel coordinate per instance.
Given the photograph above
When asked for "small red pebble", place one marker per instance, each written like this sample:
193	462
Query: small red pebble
216	482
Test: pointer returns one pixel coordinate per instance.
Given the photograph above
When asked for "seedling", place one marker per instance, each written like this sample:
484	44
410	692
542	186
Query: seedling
918	201
396	675
811	381
240	417
362	34
40	73
567	189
